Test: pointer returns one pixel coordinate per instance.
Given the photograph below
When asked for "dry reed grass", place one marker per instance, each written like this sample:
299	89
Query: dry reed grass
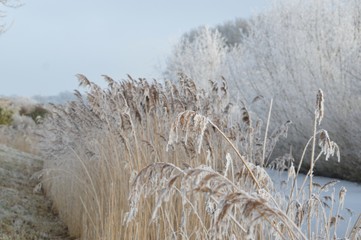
141	160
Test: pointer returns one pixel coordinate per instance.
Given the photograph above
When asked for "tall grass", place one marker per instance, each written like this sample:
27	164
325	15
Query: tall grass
141	160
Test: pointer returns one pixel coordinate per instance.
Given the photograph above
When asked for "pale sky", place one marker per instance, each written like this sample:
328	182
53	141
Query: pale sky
47	42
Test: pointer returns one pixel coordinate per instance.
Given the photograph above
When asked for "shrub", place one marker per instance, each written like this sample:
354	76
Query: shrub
6	116
36	113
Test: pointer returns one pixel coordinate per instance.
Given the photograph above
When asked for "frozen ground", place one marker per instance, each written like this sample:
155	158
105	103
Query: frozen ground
25	213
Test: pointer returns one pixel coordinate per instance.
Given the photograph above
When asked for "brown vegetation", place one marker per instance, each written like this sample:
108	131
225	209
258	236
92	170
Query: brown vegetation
142	160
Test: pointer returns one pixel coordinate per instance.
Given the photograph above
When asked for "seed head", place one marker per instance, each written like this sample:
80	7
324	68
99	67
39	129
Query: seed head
328	147
341	195
319	106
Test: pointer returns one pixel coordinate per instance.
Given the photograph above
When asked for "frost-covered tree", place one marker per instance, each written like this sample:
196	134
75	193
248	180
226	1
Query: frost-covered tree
288	53
298	47
5	4
200	58
232	31
209	53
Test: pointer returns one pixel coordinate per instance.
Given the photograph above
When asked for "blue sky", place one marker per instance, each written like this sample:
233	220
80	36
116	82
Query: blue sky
47	42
